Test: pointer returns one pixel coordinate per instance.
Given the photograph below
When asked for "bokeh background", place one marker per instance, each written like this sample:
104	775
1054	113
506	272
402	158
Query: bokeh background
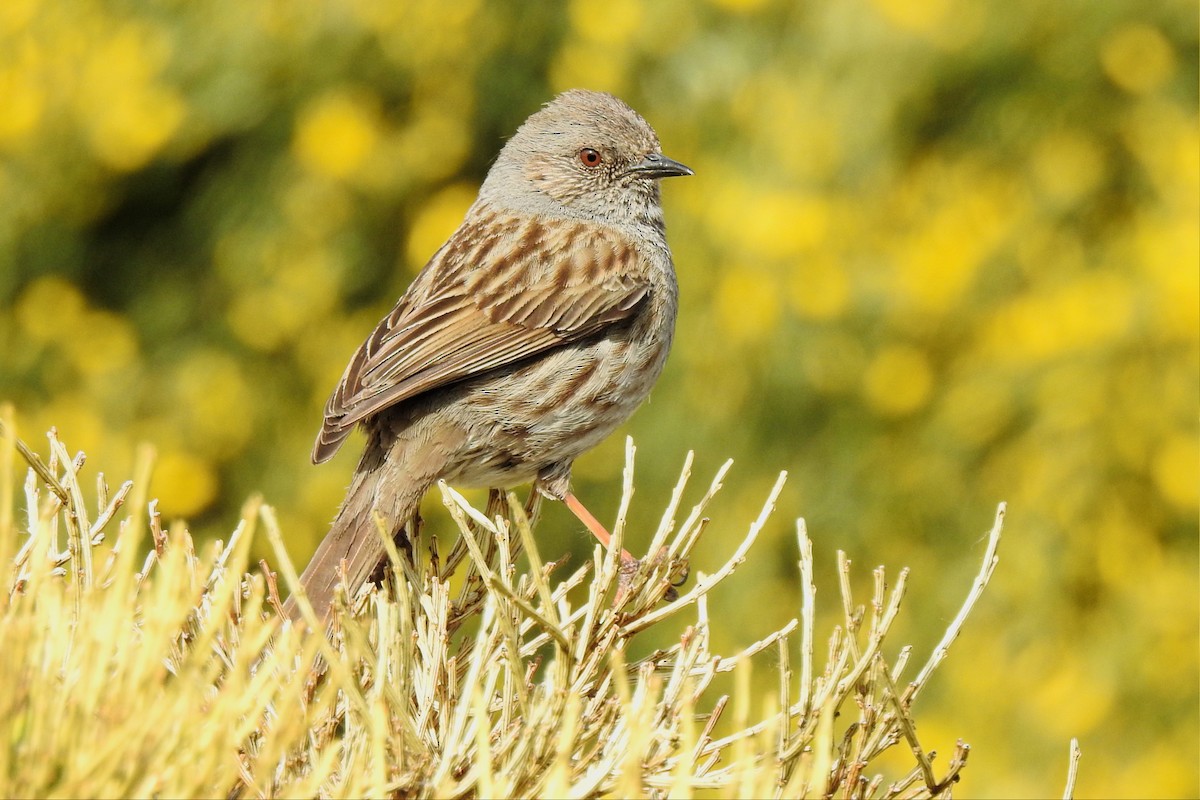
936	255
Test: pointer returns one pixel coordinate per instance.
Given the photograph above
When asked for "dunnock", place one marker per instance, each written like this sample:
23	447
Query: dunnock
529	336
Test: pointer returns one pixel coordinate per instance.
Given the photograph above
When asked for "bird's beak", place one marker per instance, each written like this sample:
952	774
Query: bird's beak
656	165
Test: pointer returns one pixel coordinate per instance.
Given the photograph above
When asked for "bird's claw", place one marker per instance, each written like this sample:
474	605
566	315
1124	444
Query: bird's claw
628	569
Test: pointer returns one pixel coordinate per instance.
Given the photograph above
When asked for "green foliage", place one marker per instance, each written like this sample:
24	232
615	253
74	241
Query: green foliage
935	255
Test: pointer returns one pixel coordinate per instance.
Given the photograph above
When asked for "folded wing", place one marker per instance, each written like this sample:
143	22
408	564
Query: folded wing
500	291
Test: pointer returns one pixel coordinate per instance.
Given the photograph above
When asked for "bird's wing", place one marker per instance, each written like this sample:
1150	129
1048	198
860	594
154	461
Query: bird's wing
499	291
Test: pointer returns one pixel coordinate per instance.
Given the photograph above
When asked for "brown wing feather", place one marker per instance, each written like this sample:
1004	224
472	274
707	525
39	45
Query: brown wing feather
497	293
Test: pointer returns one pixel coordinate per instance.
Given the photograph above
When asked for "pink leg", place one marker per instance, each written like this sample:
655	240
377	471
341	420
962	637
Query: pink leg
593	525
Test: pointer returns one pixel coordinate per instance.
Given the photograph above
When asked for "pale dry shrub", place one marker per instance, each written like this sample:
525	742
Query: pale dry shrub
134	668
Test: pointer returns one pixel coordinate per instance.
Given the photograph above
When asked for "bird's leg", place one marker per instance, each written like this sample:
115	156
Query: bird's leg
628	566
555	482
628	562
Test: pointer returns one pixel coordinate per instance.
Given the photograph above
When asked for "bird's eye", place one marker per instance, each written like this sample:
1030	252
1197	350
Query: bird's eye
589	157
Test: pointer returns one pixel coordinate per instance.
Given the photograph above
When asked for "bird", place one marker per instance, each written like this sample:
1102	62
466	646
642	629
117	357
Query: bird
534	331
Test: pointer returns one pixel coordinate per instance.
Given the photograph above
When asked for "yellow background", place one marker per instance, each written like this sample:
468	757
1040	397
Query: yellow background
935	255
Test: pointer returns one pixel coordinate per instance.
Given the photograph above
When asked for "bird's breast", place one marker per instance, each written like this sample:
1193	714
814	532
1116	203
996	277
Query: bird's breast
563	403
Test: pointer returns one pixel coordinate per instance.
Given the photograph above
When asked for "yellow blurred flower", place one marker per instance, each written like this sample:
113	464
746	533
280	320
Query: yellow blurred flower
820	288
184	485
747	303
16	14
323	353
1173	776
336	132
438	217
937	261
428	35
898	380
1165	139
742	6
101	342
271	315
1166	605
49	308
1138	58
430	147
252	316
24	102
214	404
1176	470
1093	311
1167	253
783	224
127	113
1070	699
1124	542
975	411
612	24
948	23
1088	404
760	223
806	145
798	115
921	17
1067	165
591	65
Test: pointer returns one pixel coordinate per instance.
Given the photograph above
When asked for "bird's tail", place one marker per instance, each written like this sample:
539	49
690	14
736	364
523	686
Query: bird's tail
354	538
